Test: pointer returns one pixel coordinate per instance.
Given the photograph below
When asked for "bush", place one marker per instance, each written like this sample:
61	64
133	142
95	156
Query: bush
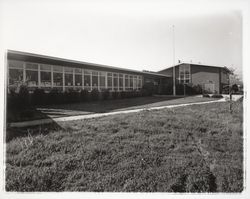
55	97
94	95
71	96
84	95
205	95
38	97
23	97
105	94
217	96
114	95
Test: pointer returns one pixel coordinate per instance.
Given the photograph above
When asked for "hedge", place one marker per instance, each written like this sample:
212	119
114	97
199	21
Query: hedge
23	98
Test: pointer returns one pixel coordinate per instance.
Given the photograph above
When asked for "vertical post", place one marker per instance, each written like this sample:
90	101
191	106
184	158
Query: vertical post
82	79
74	78
39	76
118	81
106	80
112	81
91	80
98	81
52	79
123	82
63	79
24	72
174	87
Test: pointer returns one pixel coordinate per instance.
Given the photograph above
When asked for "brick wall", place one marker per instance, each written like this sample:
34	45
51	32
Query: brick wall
204	75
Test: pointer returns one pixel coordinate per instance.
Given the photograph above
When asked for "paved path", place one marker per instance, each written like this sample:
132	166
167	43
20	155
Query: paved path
96	115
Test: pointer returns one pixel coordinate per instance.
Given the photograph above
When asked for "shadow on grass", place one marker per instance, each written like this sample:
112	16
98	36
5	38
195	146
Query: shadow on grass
27	114
14	132
102	106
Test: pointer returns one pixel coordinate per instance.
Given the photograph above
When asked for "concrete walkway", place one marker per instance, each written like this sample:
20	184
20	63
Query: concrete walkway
96	115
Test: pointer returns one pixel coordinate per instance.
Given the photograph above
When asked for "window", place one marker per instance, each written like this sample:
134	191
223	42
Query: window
94	80
140	83
102	79
57	76
184	74
78	77
15	73
31	74
130	82
87	79
121	82
126	82
45	75
68	75
110	82
135	83
115	81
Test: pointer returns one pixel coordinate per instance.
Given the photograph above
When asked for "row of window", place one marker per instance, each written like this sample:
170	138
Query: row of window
184	74
47	76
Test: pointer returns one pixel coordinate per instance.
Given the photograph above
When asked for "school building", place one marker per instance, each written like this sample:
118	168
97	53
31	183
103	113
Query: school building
46	72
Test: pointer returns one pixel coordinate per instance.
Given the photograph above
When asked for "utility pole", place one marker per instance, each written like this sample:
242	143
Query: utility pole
174	87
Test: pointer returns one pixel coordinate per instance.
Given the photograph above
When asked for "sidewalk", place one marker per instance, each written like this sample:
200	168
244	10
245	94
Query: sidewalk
96	115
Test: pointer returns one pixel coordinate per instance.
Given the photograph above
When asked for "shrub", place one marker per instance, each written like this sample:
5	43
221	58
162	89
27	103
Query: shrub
84	95
123	94
55	96
38	96
23	97
105	94
71	96
94	94
115	95
217	96
234	88
205	95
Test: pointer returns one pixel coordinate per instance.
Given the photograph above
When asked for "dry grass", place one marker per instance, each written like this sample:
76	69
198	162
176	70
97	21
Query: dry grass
190	149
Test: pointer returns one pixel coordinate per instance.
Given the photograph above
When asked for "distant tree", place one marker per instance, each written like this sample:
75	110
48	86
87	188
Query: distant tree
233	77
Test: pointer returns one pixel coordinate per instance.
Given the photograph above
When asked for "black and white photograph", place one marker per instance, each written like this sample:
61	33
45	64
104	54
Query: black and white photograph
127	97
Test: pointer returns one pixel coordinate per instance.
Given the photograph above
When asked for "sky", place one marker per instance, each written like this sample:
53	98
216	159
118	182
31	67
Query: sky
129	34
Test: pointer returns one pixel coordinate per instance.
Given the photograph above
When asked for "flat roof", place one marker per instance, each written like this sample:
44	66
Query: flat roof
224	67
38	58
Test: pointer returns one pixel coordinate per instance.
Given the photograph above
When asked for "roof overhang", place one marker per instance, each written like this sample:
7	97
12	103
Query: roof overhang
44	59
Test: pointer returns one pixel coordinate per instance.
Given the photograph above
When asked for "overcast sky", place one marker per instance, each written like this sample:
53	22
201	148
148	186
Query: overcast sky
130	34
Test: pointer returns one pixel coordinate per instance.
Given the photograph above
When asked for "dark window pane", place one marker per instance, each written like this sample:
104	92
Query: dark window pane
102	81
115	79
68	79
94	81
86	80
78	80
109	82
15	77
46	79
32	78
58	79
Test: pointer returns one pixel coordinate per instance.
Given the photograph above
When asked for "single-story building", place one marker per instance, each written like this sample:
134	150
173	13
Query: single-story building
39	71
46	72
212	79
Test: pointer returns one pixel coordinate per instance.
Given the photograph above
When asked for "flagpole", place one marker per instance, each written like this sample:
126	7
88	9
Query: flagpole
174	87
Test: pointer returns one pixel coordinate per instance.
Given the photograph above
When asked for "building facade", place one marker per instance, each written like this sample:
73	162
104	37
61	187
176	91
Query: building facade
38	71
45	72
212	79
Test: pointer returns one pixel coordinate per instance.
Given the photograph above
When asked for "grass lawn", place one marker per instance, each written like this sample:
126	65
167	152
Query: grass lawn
64	110
198	148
